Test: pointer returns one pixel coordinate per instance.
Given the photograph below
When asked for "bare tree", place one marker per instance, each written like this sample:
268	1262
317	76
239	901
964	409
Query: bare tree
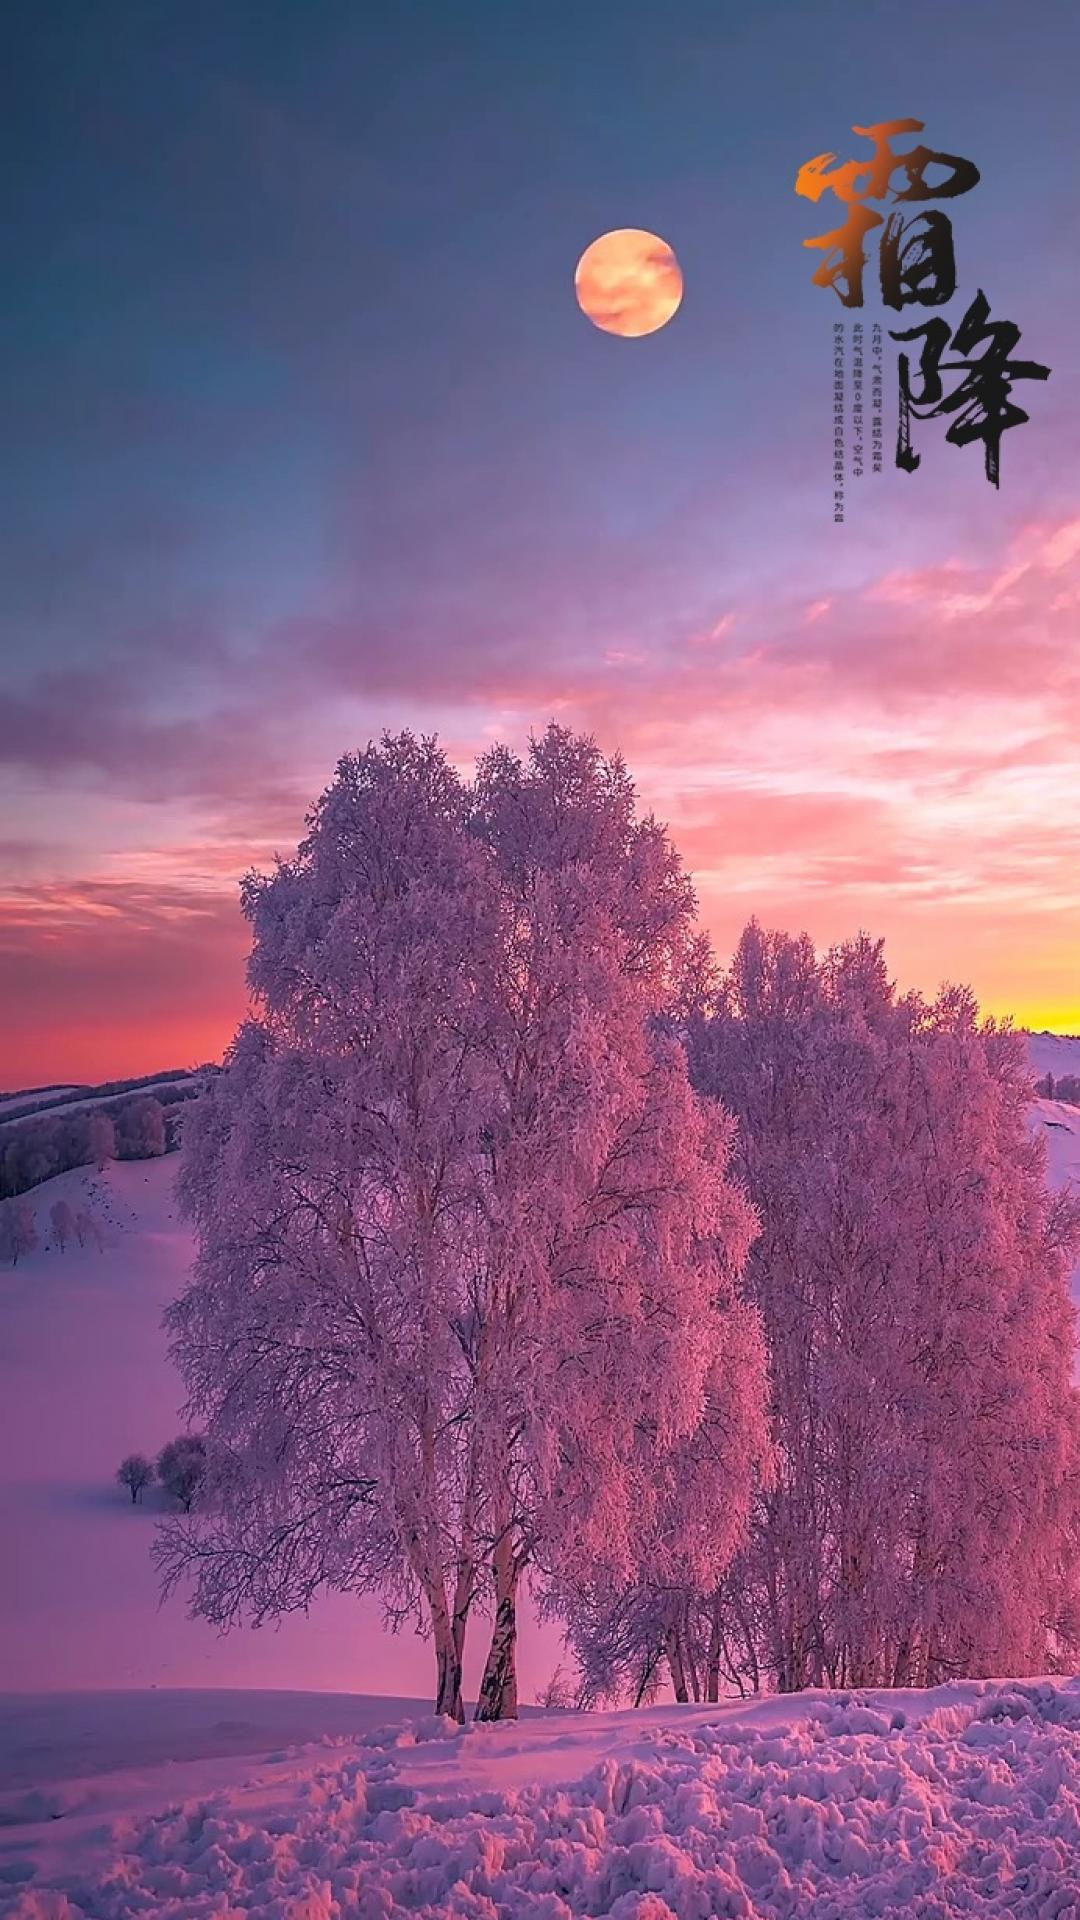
181	1466
88	1229
135	1473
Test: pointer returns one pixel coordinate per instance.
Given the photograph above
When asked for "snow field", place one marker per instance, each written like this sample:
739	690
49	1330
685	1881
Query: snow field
963	1800
1060	1126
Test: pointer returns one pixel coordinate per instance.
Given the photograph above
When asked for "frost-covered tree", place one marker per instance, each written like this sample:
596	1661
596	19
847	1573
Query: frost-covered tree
911	1274
100	1140
62	1219
18	1230
329	1173
610	1285
181	1468
668	1615
140	1129
135	1473
467	1251
88	1229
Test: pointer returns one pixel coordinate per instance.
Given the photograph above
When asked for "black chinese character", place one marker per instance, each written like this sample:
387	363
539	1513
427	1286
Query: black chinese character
980	399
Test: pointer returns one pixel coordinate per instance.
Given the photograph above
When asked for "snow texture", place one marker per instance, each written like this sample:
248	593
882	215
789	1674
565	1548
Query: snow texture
1054	1053
961	1800
1060	1127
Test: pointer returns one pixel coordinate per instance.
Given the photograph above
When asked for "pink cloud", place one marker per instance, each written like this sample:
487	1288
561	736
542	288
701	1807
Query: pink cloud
114	980
901	751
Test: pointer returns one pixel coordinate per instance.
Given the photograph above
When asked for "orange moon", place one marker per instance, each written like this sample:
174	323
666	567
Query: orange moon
629	282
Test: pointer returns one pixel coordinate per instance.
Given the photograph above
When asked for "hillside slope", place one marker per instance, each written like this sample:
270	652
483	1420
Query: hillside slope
1060	1127
1054	1053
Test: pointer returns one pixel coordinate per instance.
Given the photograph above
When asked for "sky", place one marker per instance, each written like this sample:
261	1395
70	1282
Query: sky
305	437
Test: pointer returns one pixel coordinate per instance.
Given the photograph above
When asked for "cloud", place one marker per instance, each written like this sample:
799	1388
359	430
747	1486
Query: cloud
110	979
902	748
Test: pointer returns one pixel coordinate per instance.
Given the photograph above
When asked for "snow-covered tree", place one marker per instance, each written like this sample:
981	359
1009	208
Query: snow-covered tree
666	1612
18	1230
911	1274
62	1219
329	1173
100	1140
135	1473
467	1252
607	1296
140	1129
88	1229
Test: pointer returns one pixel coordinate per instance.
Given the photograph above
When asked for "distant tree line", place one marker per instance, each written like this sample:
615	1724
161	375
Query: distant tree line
136	1129
1061	1086
176	1084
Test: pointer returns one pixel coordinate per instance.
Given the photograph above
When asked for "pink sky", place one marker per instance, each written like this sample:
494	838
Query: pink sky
898	755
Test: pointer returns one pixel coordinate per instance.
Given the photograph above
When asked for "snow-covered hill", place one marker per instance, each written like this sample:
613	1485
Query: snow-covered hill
37	1098
1054	1053
46	1103
1060	1127
962	1800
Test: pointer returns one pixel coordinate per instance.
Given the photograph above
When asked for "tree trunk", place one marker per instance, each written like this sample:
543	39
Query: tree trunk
675	1665
646	1675
692	1669
448	1684
498	1689
465	1584
447	1663
712	1658
462	1602
447	1643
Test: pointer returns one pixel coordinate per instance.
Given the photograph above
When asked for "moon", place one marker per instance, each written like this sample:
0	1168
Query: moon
629	282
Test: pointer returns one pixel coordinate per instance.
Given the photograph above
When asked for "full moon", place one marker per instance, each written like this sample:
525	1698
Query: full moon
629	282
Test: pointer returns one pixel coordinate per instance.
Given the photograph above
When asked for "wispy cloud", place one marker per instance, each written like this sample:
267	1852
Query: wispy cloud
903	750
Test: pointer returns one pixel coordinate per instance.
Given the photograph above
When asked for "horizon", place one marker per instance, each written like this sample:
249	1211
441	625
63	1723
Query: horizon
164	1069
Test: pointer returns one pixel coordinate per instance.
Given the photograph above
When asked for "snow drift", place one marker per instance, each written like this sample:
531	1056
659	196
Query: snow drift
963	1799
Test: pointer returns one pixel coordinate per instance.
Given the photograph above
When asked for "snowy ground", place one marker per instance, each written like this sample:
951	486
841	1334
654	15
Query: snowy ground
37	1097
964	1800
1061	1127
1054	1053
